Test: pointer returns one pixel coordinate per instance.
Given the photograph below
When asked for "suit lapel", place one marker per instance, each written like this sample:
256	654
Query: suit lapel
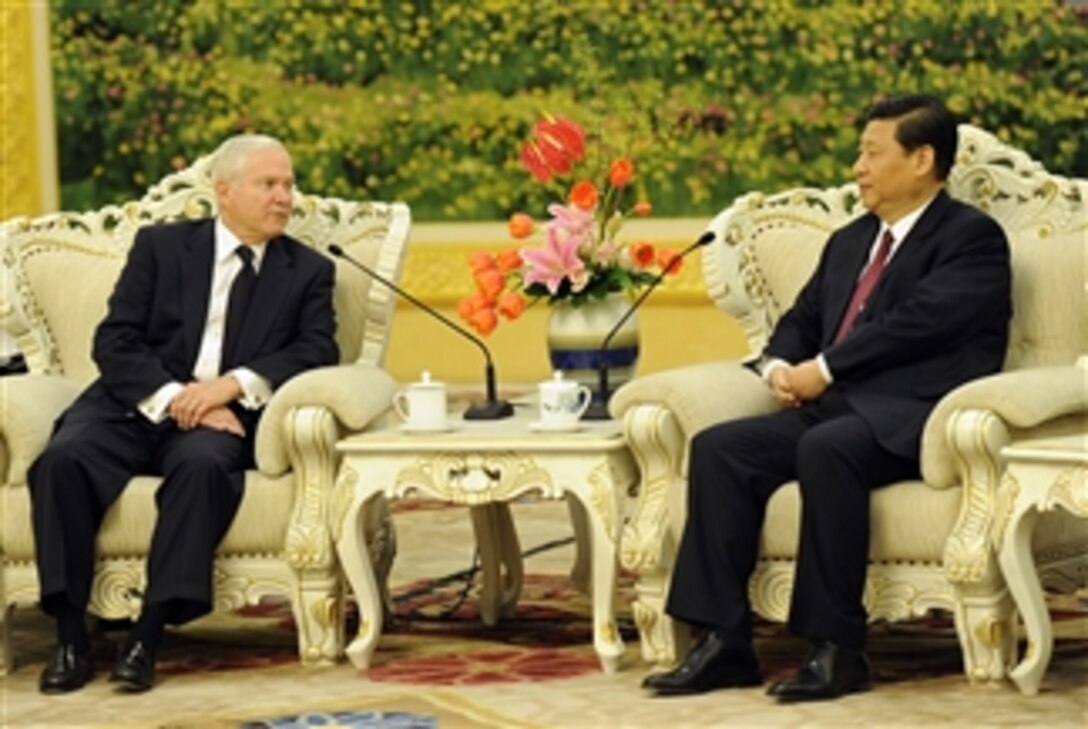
194	285
272	281
913	245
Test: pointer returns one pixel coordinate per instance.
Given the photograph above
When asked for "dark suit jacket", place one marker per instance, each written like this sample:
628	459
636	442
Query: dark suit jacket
157	312
937	319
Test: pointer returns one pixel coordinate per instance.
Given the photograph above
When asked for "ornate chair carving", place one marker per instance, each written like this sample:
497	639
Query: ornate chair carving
933	540
58	271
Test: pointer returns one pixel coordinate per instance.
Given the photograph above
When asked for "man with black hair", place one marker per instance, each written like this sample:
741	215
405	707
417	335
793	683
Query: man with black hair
907	302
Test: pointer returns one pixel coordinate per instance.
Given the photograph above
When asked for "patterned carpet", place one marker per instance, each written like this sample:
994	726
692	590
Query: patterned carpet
437	666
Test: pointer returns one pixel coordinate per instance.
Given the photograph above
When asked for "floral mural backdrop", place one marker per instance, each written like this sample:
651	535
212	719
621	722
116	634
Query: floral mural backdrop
428	101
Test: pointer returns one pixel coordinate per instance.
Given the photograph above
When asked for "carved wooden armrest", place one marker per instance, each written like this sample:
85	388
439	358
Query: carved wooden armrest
979	420
1022	399
660	413
354	395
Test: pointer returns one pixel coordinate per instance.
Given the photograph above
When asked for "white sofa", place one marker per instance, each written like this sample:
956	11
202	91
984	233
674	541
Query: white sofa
57	272
932	540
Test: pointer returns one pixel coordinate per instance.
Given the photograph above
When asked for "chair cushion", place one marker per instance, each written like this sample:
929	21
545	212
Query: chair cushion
910	523
259	528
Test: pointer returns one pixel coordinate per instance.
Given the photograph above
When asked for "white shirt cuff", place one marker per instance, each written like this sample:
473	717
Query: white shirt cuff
256	390
154	407
770	366
824	369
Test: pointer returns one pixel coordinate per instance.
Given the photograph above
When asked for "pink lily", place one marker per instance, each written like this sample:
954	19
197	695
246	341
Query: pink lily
555	260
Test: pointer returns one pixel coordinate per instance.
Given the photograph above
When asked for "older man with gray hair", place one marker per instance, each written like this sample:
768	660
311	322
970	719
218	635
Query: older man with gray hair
207	319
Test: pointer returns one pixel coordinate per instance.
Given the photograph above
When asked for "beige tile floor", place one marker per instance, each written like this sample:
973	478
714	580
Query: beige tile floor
436	543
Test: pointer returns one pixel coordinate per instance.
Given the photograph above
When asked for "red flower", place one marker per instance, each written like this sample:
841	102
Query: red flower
642	208
556	145
642	254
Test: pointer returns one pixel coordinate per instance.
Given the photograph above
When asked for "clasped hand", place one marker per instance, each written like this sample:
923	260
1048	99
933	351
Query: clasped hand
203	405
793	385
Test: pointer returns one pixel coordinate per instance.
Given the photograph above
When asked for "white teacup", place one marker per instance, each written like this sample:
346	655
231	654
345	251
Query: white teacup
422	405
562	402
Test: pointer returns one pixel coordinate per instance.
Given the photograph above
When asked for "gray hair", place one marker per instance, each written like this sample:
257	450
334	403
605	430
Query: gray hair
230	158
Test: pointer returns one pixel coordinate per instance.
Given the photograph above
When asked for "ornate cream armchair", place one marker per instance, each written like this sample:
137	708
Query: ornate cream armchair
932	543
58	271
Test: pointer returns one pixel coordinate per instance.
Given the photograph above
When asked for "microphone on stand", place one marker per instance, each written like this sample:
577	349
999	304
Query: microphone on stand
598	408
492	408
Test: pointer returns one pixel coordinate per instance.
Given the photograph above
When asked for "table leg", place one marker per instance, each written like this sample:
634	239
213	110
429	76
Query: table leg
580	571
1023	581
606	636
497	541
355	560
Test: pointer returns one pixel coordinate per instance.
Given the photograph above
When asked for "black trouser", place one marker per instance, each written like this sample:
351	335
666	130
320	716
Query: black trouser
93	453
734	469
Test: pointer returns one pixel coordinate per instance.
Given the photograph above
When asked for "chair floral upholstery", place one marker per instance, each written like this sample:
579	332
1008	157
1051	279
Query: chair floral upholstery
58	271
933	541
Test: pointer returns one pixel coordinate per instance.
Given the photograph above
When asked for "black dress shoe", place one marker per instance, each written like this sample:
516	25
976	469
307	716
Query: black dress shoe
829	671
710	665
66	671
135	667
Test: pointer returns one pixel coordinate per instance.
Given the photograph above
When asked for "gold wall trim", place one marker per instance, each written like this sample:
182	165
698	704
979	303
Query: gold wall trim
436	268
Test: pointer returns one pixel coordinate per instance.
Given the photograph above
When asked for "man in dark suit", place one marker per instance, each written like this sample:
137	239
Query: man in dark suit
207	319
906	303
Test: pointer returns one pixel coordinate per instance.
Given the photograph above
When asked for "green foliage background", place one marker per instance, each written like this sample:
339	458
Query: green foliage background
428	101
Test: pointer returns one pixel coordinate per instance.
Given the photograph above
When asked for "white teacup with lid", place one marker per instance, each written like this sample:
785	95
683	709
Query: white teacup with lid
422	405
562	403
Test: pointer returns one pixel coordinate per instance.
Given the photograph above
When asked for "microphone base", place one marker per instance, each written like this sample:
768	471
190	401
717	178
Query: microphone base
597	410
489	410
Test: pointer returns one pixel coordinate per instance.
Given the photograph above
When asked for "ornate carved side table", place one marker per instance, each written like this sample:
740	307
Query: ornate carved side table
485	465
1040	475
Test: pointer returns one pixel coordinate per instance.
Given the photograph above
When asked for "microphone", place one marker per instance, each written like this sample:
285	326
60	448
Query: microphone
490	409
598	408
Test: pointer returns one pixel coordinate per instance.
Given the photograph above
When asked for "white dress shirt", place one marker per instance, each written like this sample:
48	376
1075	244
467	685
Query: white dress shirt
256	390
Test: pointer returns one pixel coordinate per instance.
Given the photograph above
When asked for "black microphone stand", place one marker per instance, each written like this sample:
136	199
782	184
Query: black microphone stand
492	408
598	408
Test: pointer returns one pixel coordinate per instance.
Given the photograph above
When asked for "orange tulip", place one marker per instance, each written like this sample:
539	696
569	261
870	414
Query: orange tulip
670	261
484	321
480	262
465	307
521	225
491	282
508	261
510	305
621	172
584	195
642	208
642	254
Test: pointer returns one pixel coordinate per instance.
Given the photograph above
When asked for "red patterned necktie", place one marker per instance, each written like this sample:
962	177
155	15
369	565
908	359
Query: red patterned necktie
865	285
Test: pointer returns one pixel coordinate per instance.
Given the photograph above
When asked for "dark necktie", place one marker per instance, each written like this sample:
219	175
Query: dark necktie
241	291
865	285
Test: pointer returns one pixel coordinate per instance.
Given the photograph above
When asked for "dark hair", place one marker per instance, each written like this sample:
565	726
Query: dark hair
921	120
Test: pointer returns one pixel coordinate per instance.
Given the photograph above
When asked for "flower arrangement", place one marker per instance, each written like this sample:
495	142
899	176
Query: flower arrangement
582	257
